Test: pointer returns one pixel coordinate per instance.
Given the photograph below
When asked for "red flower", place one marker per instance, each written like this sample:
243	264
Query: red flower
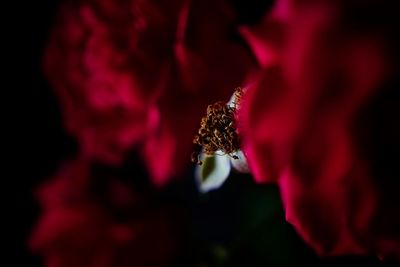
140	74
306	126
81	228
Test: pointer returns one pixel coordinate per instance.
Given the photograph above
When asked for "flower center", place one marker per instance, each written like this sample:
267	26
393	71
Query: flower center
218	131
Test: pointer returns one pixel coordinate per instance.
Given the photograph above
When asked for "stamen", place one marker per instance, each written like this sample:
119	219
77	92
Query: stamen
218	131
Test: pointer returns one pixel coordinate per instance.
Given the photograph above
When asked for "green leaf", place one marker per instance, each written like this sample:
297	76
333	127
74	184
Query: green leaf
265	238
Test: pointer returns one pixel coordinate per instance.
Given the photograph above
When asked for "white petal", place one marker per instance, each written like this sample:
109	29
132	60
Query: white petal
213	172
240	164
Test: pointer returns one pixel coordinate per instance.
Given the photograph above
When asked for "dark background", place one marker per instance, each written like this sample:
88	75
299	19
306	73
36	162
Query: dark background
36	137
